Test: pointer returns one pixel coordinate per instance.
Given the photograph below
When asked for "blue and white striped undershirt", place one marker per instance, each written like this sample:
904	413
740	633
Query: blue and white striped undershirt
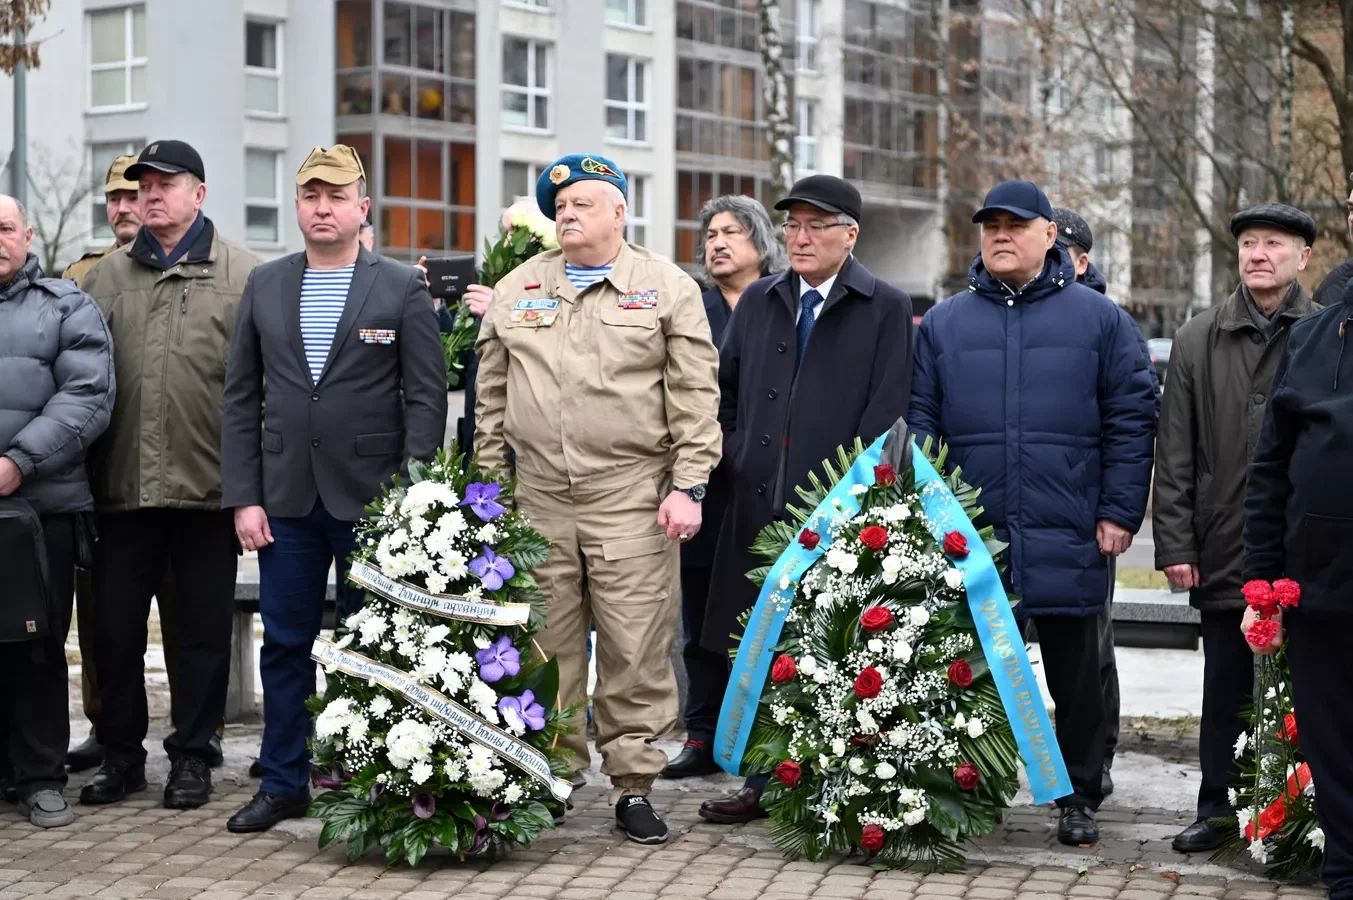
583	277
323	294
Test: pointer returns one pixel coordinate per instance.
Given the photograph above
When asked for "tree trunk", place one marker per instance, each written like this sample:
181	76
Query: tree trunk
943	100
1286	86
780	128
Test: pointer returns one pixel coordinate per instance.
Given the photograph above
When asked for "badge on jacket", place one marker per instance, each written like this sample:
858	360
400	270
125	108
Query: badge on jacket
638	300
534	312
376	335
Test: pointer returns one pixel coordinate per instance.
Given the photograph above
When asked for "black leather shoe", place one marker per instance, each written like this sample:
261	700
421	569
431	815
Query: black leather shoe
189	784
1106	781
696	758
8	792
742	806
215	758
113	782
85	755
265	811
1201	837
256	769
1077	827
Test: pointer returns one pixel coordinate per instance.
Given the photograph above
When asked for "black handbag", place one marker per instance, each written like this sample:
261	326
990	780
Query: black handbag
25	610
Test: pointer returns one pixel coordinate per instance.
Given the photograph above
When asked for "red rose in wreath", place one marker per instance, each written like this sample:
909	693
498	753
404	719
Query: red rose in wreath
872	838
1262	632
960	673
956	545
789	772
967	777
1287	592
868	683
809	538
876	618
885	476
783	669
875	537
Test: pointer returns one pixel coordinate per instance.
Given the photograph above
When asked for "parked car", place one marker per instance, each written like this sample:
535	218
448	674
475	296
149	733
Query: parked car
1160	348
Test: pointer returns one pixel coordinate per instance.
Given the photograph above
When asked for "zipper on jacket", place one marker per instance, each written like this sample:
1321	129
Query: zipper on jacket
183	312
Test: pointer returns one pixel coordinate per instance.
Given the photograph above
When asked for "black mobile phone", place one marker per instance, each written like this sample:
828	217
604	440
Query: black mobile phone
448	276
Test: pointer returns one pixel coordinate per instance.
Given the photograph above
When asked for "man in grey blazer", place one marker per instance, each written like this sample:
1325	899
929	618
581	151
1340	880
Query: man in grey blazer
340	346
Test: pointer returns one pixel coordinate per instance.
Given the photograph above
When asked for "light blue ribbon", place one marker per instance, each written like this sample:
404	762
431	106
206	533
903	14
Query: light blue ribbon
996	628
1002	643
768	616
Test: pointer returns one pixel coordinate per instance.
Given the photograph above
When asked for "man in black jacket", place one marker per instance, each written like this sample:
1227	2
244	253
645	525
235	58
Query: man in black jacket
340	346
1299	524
813	358
56	397
1331	287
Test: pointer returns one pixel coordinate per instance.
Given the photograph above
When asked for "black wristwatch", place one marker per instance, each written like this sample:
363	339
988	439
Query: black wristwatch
695	492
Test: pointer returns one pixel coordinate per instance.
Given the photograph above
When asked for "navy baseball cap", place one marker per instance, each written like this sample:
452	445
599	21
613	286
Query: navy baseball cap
170	157
1022	199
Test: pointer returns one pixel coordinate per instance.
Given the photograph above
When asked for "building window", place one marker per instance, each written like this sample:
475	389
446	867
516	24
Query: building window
262	198
263	67
805	137
626	98
101	156
427	66
519	180
426	201
117	57
719	110
526	83
636	211
807	31
532	4
626	12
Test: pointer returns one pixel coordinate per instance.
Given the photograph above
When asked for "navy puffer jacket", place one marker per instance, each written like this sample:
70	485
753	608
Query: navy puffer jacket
1046	400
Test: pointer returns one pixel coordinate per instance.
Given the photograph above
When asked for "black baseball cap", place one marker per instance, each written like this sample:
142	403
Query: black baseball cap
1072	229
1022	199
825	192
168	156
1278	215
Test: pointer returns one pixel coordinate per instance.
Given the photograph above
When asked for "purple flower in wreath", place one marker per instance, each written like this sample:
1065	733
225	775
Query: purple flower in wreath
526	708
424	805
492	570
498	659
482	499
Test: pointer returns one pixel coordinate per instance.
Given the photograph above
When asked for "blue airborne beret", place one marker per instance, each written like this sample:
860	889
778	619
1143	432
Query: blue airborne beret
576	167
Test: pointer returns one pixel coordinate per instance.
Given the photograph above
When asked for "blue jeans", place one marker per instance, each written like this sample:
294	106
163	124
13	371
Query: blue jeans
293	572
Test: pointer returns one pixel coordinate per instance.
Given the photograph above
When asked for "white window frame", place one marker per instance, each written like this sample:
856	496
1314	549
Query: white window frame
274	74
128	62
99	232
636	75
535	6
636	15
635	217
805	133
274	203
534	93
807	35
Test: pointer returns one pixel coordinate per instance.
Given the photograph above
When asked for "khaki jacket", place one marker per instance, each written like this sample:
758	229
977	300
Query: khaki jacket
77	270
598	391
171	330
1221	369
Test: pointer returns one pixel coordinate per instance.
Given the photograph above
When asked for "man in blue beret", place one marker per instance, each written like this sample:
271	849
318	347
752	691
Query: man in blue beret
597	372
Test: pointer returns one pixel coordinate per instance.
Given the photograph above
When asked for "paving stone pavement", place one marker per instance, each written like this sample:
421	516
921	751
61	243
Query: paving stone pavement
137	849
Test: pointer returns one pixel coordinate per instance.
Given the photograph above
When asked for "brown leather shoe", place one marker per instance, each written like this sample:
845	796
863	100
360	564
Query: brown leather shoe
741	806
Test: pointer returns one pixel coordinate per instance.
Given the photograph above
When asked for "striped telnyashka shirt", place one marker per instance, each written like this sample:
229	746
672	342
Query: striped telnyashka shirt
323	293
583	277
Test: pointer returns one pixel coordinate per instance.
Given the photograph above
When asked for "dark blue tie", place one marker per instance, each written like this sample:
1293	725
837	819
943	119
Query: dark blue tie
804	327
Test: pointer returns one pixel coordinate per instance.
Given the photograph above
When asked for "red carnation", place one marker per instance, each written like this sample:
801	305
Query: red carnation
809	538
956	545
872	837
1262	633
967	777
875	537
1289	732
783	669
1259	594
884	476
868	683
1287	591
960	673
789	772
876	618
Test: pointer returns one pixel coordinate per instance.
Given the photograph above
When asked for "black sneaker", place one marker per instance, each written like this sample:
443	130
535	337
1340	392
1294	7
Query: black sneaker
189	784
635	816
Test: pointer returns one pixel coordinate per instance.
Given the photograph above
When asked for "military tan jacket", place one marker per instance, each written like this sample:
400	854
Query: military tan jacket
77	270
171	330
601	390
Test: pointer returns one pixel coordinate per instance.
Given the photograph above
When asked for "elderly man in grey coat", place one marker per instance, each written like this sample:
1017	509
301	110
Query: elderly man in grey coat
56	396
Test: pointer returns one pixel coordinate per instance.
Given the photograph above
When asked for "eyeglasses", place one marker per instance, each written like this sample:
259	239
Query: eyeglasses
815	229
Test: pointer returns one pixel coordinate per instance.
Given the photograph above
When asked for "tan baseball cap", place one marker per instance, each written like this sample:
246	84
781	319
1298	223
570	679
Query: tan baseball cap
338	164
116	179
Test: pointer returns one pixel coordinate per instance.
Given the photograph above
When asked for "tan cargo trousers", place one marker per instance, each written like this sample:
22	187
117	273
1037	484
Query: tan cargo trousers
610	565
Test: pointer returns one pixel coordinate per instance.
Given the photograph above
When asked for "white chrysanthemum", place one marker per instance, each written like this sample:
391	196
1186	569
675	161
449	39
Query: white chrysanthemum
1242	741
419	527
453	770
357	729
484	699
380	705
337	716
420	773
514	721
460	662
451	680
513	793
452	524
1232	797
436	635
433	659
358	617
1316	838
487	534
371	630
454	565
437	583
1259	851
345	641
408	741
885	771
